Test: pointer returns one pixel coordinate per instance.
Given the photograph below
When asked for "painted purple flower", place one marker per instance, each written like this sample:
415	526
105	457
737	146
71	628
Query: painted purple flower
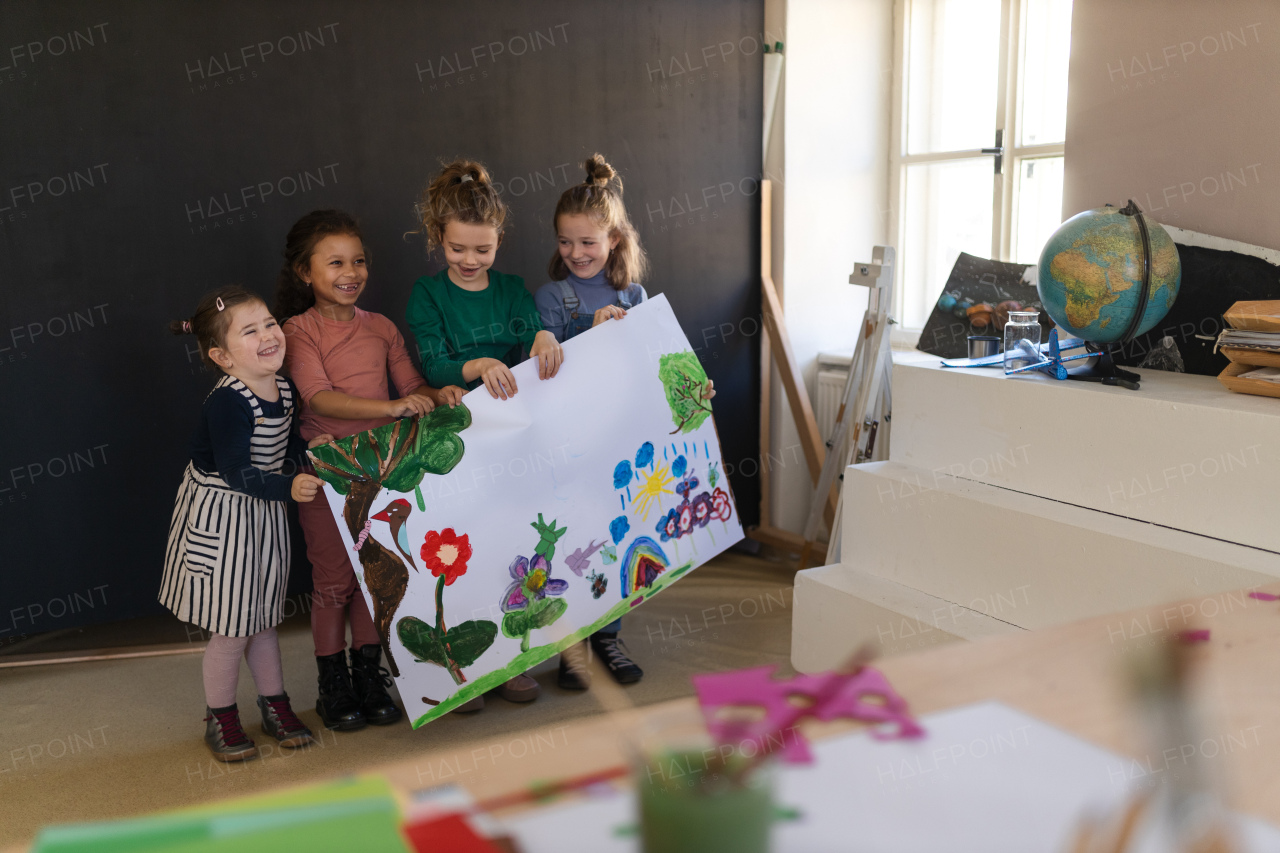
702	509
668	526
531	582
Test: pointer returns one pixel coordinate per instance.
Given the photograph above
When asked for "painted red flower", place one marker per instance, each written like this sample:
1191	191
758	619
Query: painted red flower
446	554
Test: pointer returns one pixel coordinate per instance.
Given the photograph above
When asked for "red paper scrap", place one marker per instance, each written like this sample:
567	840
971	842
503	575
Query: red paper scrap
1200	635
449	834
1264	596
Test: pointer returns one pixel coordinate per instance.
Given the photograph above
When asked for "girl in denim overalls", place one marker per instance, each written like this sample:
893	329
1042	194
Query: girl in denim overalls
594	275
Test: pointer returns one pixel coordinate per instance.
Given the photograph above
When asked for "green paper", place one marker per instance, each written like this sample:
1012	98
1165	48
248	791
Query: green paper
351	814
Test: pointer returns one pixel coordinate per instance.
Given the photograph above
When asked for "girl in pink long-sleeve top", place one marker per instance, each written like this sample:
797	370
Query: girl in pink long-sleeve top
339	357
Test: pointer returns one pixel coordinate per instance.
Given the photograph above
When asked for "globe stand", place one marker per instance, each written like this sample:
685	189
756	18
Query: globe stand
1106	371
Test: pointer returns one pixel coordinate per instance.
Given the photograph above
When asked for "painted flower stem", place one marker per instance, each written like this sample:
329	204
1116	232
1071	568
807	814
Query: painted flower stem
456	671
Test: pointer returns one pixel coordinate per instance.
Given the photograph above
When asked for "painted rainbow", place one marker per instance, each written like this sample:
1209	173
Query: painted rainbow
641	566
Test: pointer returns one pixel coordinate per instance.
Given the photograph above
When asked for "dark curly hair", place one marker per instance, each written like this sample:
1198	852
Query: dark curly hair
293	295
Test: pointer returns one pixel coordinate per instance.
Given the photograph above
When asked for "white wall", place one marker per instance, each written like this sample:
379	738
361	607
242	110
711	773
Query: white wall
839	56
1174	104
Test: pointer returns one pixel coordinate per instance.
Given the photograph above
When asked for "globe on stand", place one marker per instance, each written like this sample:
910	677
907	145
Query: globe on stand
1107	276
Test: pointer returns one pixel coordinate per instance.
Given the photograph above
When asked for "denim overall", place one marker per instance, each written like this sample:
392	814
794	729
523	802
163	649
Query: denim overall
579	323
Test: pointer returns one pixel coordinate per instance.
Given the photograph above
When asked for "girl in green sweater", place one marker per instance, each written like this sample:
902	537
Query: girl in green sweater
473	323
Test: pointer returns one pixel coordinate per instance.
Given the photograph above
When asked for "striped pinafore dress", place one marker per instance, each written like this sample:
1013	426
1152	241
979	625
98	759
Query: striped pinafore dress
227	562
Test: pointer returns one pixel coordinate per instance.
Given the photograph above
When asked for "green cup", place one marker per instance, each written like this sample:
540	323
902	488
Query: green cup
693	802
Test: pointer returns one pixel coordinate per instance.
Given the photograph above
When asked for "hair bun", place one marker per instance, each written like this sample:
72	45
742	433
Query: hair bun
180	327
599	172
464	172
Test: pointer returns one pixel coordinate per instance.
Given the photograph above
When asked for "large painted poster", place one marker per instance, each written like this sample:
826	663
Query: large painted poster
491	535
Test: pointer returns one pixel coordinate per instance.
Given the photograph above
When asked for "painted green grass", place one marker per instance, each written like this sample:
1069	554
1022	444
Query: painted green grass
523	661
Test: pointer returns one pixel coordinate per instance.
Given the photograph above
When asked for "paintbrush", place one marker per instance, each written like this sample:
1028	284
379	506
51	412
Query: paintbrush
1187	807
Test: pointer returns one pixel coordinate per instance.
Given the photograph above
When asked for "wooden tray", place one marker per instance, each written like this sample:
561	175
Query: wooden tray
1252	357
1255	316
1231	378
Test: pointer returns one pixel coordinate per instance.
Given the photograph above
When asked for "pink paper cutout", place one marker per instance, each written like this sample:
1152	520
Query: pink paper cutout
1200	635
1264	596
756	687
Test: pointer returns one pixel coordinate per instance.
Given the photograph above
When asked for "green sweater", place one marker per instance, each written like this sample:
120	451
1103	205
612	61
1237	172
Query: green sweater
452	326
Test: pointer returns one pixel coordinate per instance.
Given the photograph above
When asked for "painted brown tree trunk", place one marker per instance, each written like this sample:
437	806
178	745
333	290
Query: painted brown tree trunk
385	575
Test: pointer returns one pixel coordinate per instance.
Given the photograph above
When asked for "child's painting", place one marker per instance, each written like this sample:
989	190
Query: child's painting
489	536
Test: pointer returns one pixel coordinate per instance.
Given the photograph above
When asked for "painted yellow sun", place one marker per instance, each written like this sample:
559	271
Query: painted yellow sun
654	487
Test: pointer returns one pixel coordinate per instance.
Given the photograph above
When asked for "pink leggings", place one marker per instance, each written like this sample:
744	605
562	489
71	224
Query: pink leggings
222	666
336	596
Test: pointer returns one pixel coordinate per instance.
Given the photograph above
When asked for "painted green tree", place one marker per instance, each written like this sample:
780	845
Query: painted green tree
685	383
396	457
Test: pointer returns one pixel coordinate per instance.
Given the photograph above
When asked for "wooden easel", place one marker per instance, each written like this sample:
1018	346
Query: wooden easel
776	345
865	409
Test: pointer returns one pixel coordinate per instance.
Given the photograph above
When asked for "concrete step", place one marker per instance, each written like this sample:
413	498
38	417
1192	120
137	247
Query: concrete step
838	609
979	545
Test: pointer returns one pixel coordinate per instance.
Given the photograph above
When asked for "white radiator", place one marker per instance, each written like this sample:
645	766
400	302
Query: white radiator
833	373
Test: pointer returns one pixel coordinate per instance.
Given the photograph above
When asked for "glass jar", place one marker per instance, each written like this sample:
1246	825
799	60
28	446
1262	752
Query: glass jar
1022	340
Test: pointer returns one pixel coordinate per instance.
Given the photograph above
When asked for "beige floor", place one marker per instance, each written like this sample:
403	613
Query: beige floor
87	741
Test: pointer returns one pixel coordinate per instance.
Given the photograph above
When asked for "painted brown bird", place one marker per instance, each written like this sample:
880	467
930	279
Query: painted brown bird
385	575
397	516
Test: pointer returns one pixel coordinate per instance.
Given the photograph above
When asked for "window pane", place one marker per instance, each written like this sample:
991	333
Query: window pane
948	211
1039	201
1045	53
954	50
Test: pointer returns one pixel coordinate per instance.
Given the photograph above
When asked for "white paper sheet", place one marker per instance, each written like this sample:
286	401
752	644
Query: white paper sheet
596	468
986	779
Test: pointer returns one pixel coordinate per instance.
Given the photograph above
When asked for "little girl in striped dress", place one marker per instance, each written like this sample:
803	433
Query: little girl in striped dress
227	561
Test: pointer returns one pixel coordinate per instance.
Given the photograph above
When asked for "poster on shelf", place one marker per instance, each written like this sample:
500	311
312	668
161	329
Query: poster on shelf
489	536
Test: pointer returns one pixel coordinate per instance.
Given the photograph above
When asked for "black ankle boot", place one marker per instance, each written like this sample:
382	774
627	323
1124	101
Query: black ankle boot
371	680
337	704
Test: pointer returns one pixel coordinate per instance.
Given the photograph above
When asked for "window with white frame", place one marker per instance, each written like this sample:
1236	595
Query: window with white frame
979	128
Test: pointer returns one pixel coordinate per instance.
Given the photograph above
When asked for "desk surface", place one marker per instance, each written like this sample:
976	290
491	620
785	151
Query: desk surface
1068	676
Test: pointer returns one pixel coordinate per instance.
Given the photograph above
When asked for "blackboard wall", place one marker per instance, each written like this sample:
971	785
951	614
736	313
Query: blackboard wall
153	151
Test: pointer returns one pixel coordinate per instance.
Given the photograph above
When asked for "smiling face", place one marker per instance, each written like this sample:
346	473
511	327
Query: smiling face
253	346
469	249
584	244
337	274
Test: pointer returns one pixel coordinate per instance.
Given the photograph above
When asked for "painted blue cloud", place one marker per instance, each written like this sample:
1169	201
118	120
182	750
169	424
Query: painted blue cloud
644	456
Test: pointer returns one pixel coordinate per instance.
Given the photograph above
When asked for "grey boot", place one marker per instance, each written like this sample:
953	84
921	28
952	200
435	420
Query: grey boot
279	721
224	736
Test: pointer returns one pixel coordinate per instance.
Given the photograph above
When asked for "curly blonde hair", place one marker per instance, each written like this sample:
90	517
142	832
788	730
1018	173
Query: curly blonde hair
463	192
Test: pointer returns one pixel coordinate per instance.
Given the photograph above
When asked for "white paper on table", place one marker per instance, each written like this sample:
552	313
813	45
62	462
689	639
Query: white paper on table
986	779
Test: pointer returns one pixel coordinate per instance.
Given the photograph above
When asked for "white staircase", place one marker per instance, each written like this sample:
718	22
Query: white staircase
1015	503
